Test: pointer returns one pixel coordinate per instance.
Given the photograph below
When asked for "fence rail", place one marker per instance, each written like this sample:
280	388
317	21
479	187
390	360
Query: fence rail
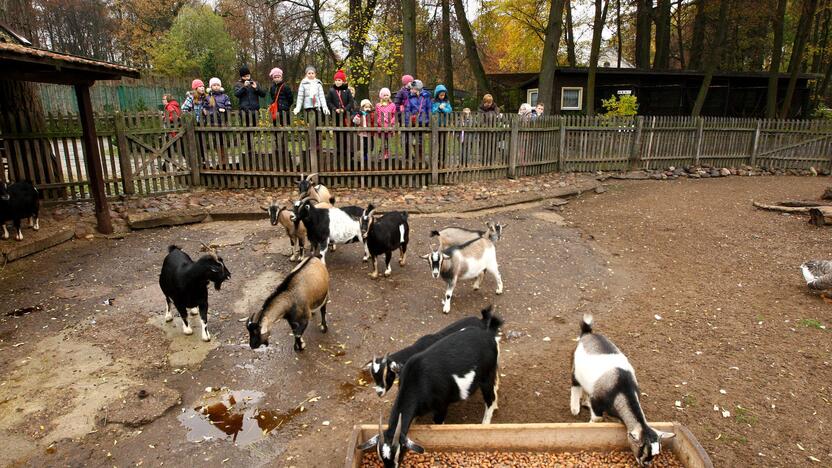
144	153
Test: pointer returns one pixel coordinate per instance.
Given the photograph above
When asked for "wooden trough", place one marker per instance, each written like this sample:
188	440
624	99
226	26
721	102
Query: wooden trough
549	437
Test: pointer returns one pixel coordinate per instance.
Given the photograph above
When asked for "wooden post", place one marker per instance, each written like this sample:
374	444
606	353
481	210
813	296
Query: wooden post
635	145
191	148
513	147
562	145
700	126
313	147
434	150
124	158
755	146
93	158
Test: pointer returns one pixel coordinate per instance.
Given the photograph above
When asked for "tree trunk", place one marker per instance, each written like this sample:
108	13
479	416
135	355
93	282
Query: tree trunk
471	48
644	31
618	29
447	59
808	12
698	45
777	21
597	28
570	35
713	59
662	59
361	17
681	39
546	86
409	39
820	216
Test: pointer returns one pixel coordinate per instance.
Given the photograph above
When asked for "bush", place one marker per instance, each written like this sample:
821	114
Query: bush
822	112
625	106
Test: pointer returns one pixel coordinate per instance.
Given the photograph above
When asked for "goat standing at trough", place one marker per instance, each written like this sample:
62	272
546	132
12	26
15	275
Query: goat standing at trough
449	371
296	231
185	284
18	201
325	225
304	290
385	369
463	262
451	236
384	235
317	192
604	380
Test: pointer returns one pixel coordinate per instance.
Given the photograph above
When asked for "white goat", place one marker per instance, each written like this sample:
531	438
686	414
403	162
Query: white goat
463	262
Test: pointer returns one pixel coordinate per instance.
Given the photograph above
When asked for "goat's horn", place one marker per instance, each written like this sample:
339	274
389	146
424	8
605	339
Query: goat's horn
311	175
398	432
381	426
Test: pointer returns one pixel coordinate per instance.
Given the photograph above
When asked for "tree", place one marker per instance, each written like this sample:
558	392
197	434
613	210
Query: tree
409	31
570	35
713	58
644	30
680	35
471	47
546	86
777	20
360	20
597	28
619	44
662	58
447	59
806	16
196	45
698	45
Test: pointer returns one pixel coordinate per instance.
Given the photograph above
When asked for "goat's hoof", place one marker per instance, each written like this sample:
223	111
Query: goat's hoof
575	411
193	311
476	287
373	275
387	272
299	346
168	318
18	238
499	291
402	263
365	259
324	328
188	330
206	337
293	258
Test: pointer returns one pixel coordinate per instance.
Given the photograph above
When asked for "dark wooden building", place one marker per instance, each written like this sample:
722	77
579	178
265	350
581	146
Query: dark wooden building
665	92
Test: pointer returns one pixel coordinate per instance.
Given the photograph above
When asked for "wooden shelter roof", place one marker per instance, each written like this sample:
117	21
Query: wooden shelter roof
24	63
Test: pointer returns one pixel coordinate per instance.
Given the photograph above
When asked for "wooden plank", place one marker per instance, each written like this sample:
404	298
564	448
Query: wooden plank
635	148
700	125
434	150
124	157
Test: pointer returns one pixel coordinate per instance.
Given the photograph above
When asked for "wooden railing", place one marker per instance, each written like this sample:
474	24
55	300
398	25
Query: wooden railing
146	153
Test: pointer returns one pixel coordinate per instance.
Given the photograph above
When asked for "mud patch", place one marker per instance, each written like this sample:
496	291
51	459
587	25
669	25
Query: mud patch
550	217
255	291
185	350
141	405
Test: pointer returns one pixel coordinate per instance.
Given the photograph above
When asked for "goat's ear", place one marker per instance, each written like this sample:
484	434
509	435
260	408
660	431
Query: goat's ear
425	256
414	446
446	256
395	366
264	208
369	444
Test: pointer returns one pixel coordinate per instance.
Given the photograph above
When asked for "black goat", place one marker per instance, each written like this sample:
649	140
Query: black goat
449	371
384	235
327	225
385	369
185	284
18	201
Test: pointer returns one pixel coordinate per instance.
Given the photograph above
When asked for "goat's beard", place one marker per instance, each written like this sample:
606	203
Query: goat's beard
218	284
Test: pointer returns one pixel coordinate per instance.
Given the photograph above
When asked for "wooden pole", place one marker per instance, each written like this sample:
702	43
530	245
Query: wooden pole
700	127
635	145
562	143
93	158
124	159
434	150
513	147
191	148
755	146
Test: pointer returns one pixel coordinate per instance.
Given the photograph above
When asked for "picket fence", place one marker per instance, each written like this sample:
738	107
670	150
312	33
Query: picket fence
144	153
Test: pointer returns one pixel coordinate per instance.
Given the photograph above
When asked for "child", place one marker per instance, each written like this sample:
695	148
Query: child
385	118
171	106
417	113
340	102
403	95
364	119
217	103
441	106
249	93
281	95
195	100
311	94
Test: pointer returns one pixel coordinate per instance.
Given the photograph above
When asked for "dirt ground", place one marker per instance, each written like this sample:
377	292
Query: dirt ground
701	291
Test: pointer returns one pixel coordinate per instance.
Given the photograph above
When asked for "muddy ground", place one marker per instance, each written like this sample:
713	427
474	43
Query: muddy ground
91	374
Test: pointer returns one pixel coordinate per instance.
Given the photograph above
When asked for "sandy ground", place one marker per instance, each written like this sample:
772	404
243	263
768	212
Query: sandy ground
91	374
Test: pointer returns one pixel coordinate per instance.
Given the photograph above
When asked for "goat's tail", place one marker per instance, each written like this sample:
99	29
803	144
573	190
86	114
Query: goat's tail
492	321
434	233
586	324
173	247
332	201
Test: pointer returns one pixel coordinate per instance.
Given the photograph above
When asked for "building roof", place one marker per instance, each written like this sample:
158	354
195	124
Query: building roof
24	63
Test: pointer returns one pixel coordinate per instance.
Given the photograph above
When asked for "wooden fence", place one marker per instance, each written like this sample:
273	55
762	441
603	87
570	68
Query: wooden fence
144	153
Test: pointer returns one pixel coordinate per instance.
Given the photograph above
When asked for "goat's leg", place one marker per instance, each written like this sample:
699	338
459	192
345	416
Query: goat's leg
439	415
294	256
203	318
593	416
323	326
489	394
5	231
18	232
479	280
35	222
374	274
495	271
366	252
387	257
449	292
323	251
300	249
403	254
297	330
183	314
168	314
575	397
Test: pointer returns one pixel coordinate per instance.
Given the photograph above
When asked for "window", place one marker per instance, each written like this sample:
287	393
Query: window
571	98
531	97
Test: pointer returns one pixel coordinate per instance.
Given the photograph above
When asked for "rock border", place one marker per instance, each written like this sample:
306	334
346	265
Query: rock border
16	251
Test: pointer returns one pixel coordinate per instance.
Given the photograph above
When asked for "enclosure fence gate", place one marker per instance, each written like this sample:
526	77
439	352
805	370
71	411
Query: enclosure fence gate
146	153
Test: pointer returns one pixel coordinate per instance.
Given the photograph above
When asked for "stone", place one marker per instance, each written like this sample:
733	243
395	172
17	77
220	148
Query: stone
141	405
813	171
31	244
170	218
600	189
725	172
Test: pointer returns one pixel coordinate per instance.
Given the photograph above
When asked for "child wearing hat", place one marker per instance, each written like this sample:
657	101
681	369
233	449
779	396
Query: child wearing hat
385	118
341	104
364	118
248	92
281	95
311	93
195	99
417	113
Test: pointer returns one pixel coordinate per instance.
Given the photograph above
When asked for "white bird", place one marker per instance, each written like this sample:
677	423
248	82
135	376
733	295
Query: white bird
818	276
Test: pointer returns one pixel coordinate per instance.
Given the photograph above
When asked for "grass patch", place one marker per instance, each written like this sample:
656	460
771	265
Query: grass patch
744	416
812	323
689	400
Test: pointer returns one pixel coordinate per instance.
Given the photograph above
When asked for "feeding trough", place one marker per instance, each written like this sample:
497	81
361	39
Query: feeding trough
535	438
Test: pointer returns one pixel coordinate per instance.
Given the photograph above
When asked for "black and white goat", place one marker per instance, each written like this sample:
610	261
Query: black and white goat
463	262
18	201
304	290
449	371
604	380
295	231
453	235
317	192
385	369
185	284
383	235
325	225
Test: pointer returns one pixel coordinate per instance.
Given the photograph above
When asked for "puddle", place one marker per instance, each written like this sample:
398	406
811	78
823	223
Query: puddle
24	310
234	416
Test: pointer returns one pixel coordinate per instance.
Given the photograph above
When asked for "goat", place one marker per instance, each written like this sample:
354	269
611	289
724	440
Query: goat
449	371
18	201
317	192
463	262
325	225
605	381
296	232
304	290
383	235
451	236
385	369
185	284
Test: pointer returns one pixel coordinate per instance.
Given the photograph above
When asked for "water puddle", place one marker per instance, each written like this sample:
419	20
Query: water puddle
233	416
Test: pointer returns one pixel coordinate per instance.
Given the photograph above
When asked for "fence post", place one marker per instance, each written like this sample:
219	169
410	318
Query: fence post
562	144
513	147
700	125
635	145
124	155
312	124
755	145
192	149
434	150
